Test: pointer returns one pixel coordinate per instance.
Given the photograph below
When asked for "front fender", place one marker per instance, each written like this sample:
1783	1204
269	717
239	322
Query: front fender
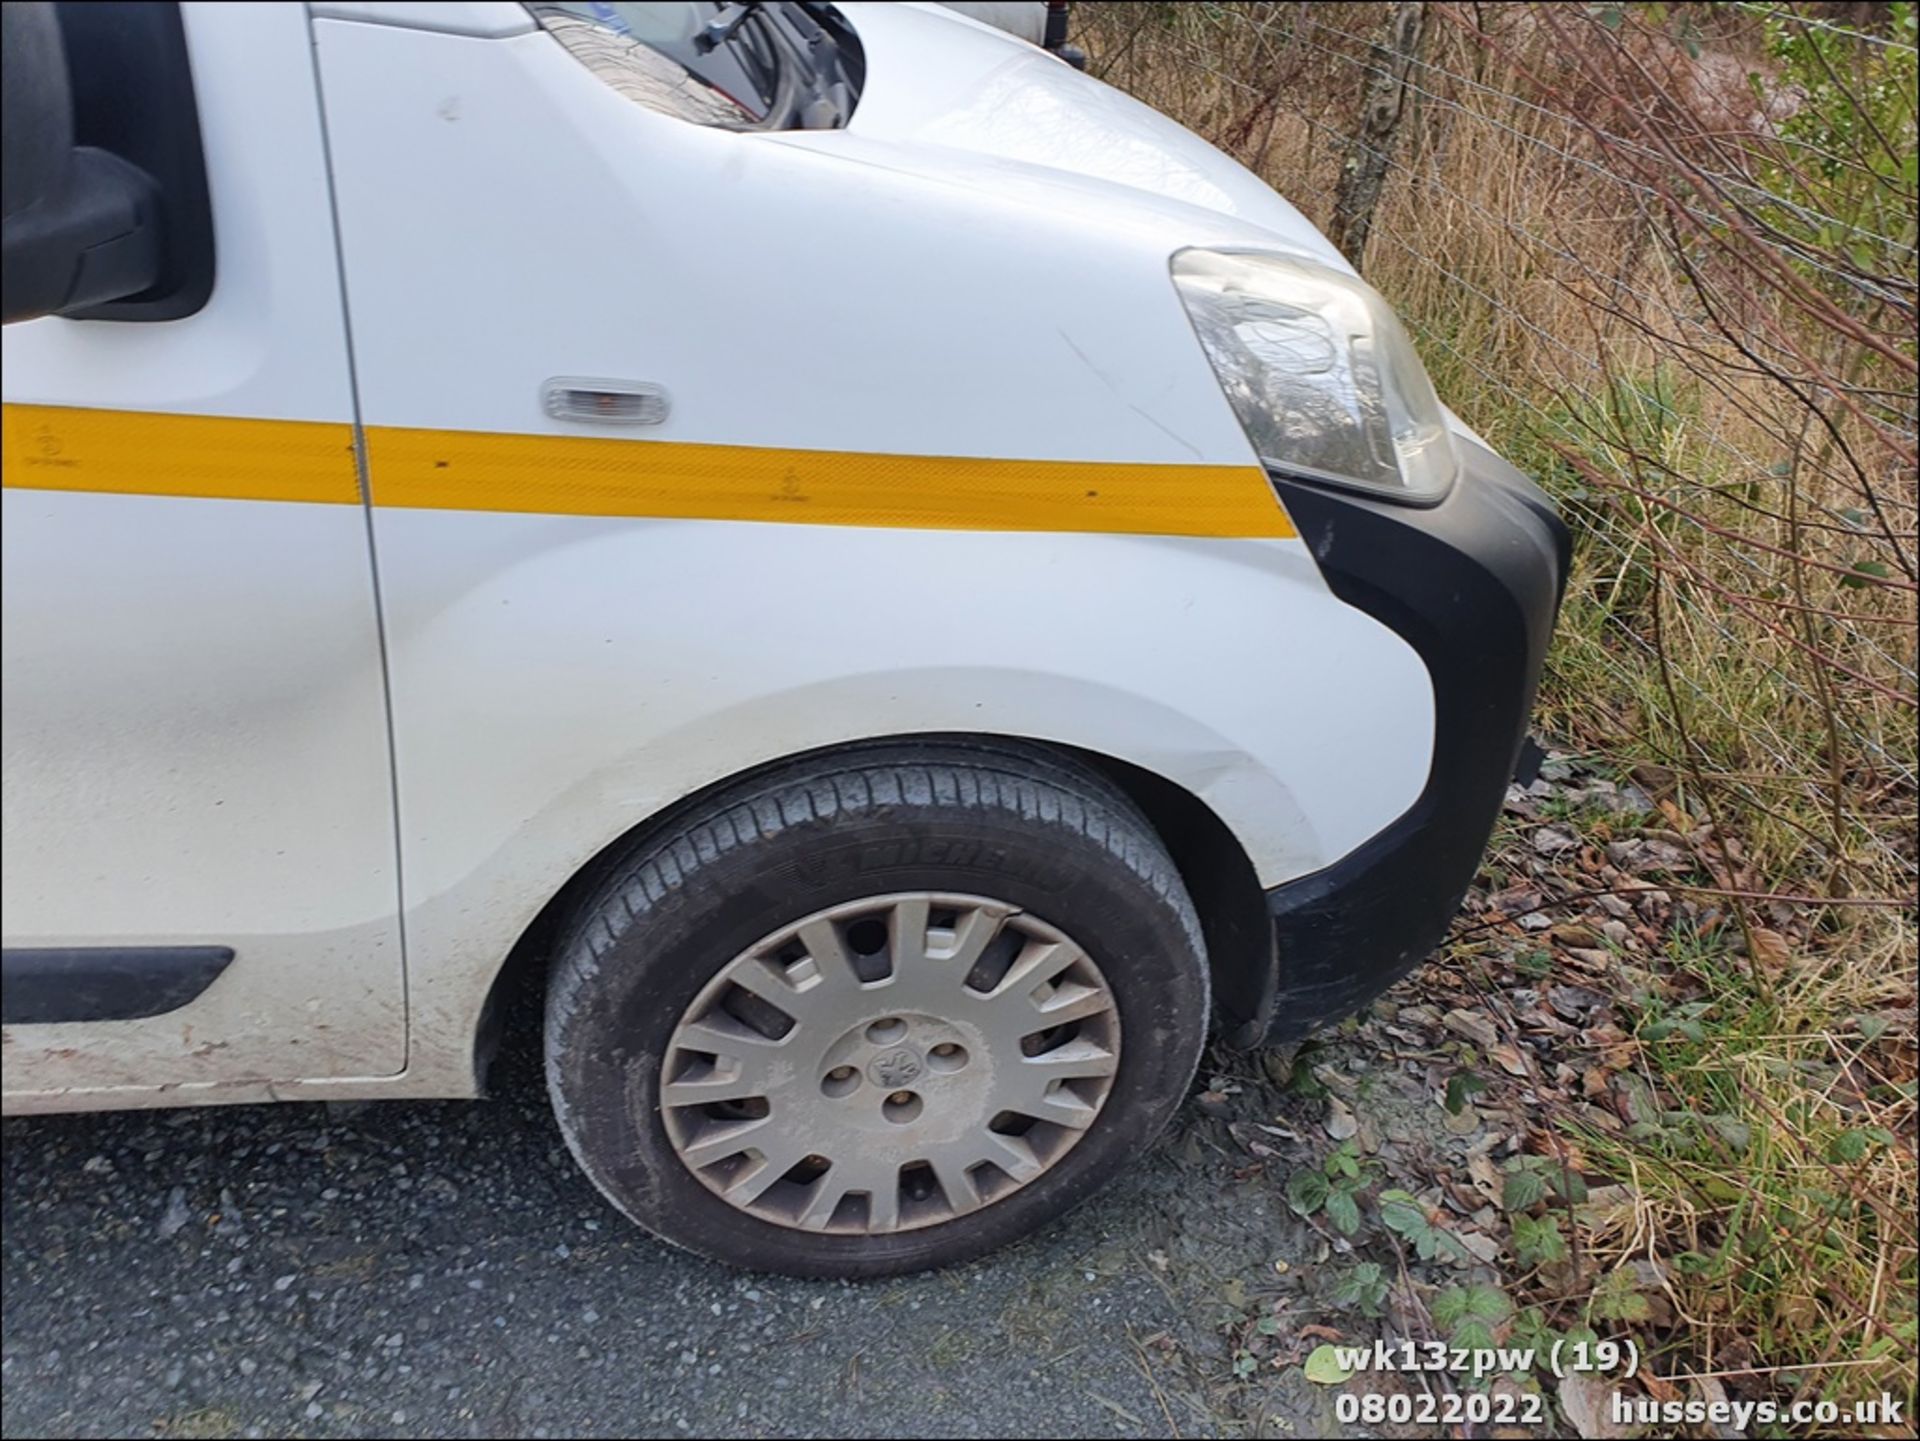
560	680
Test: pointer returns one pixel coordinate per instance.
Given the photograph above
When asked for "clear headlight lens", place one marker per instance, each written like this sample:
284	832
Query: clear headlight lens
1318	369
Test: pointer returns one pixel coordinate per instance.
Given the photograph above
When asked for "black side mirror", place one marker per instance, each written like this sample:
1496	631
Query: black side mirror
80	225
106	212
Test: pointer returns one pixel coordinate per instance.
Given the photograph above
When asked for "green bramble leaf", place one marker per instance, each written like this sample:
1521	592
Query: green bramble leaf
1343	1211
1307	1191
1449	1307
1851	1146
1617	1298
1462	1087
1522	1190
1364	1287
1488	1303
1537	1241
1473	1335
1861	570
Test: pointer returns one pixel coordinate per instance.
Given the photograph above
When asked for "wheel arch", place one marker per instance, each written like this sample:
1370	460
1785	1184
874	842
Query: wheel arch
1218	873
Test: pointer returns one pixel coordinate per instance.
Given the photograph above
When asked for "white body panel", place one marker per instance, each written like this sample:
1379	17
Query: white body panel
977	267
965	103
195	732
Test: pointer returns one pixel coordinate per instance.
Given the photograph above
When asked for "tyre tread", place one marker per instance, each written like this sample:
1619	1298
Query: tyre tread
1030	784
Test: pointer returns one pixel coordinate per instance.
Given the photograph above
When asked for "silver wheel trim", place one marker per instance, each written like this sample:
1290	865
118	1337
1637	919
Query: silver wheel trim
890	1063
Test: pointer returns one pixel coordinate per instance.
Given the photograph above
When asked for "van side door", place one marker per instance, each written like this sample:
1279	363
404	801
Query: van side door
199	837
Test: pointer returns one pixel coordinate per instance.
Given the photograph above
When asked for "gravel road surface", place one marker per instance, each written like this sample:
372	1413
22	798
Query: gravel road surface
441	1269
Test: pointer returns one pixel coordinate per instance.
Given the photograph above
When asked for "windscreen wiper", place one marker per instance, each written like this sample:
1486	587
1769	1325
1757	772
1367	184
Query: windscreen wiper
804	96
717	31
831	94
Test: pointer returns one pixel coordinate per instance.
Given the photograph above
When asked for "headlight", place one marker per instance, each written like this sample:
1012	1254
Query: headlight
1316	366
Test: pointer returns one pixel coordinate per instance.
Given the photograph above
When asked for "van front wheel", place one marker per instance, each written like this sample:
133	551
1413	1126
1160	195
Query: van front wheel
884	1009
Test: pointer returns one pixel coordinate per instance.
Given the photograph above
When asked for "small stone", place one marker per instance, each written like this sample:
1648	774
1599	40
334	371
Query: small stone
281	1283
177	1215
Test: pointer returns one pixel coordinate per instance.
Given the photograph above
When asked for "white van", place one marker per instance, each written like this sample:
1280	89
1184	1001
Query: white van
903	585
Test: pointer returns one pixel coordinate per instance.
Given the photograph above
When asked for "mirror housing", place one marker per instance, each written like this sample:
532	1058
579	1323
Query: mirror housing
105	211
80	226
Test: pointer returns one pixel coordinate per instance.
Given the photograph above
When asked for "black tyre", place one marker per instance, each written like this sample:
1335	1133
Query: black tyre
883	1009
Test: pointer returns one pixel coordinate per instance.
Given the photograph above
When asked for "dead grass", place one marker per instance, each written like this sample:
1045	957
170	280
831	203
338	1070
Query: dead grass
1739	631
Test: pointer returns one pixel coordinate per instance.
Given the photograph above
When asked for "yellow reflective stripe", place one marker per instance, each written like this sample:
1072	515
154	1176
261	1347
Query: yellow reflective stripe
143	452
590	475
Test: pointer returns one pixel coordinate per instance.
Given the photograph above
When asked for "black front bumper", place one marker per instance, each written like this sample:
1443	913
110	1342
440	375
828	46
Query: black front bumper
1473	585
